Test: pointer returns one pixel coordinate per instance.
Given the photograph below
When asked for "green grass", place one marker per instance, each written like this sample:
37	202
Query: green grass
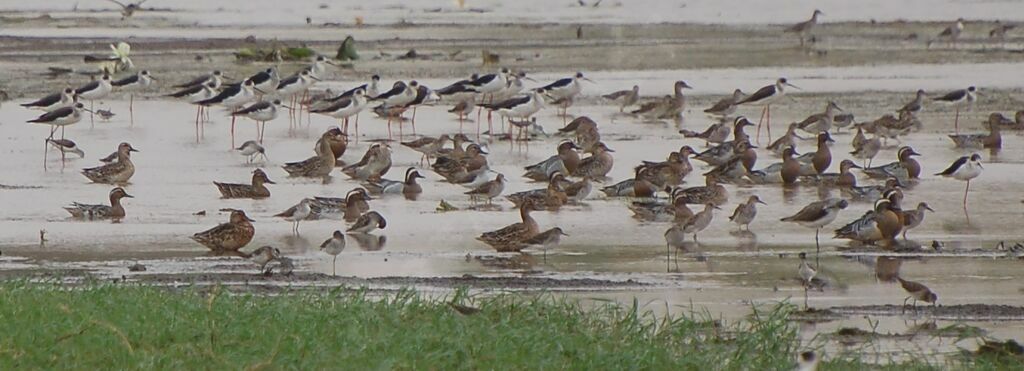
102	326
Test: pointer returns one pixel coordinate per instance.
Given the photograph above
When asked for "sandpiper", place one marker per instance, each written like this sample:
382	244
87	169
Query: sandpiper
256	190
964	168
786	140
958	98
230	236
232	98
820	122
726	106
61	99
407	187
367	223
345	108
334	246
296	214
94	91
250	149
66	146
261	112
141	80
804	28
913	218
918	292
701	220
915	106
765	97
129	9
319	166
745	212
807	274
510	238
624	98
114	173
263	256
427	146
716	133
867	149
92	212
951	33
546	240
817	215
489	190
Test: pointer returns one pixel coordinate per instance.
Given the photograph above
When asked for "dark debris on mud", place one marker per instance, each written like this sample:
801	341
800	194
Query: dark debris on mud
982	312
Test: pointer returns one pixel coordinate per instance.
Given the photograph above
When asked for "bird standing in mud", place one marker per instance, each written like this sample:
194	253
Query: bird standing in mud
334	246
918	292
128	10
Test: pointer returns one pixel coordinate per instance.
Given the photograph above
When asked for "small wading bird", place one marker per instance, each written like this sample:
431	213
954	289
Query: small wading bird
128	10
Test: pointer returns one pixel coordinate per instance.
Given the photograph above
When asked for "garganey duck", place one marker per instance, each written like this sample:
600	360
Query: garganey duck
511	238
351	206
672	171
565	161
914	217
822	158
408	187
297	213
230	236
817	215
964	168
624	98
674	211
791	167
721	153
452	168
598	164
337	140
367	223
255	190
94	212
552	197
843	179
639	186
745	212
711	192
993	139
872	192
743	159
318	166
114	173
904	169
489	190
375	163
998	119
888	221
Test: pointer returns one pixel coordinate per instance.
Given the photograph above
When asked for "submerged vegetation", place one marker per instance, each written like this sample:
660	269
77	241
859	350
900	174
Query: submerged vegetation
53	326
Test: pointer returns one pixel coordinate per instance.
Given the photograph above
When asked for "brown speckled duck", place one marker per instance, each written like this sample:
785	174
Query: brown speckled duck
711	192
375	163
510	238
117	172
338	141
565	161
255	190
598	164
318	166
94	212
230	236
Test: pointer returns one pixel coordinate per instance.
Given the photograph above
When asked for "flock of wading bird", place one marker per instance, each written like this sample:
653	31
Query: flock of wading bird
569	177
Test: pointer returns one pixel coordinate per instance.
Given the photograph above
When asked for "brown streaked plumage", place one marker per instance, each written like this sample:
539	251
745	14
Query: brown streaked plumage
745	212
114	173
489	190
255	190
93	212
597	165
318	166
918	292
230	236
710	192
510	238
913	218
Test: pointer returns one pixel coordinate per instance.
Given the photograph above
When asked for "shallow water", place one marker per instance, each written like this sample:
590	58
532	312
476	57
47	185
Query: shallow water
269	12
